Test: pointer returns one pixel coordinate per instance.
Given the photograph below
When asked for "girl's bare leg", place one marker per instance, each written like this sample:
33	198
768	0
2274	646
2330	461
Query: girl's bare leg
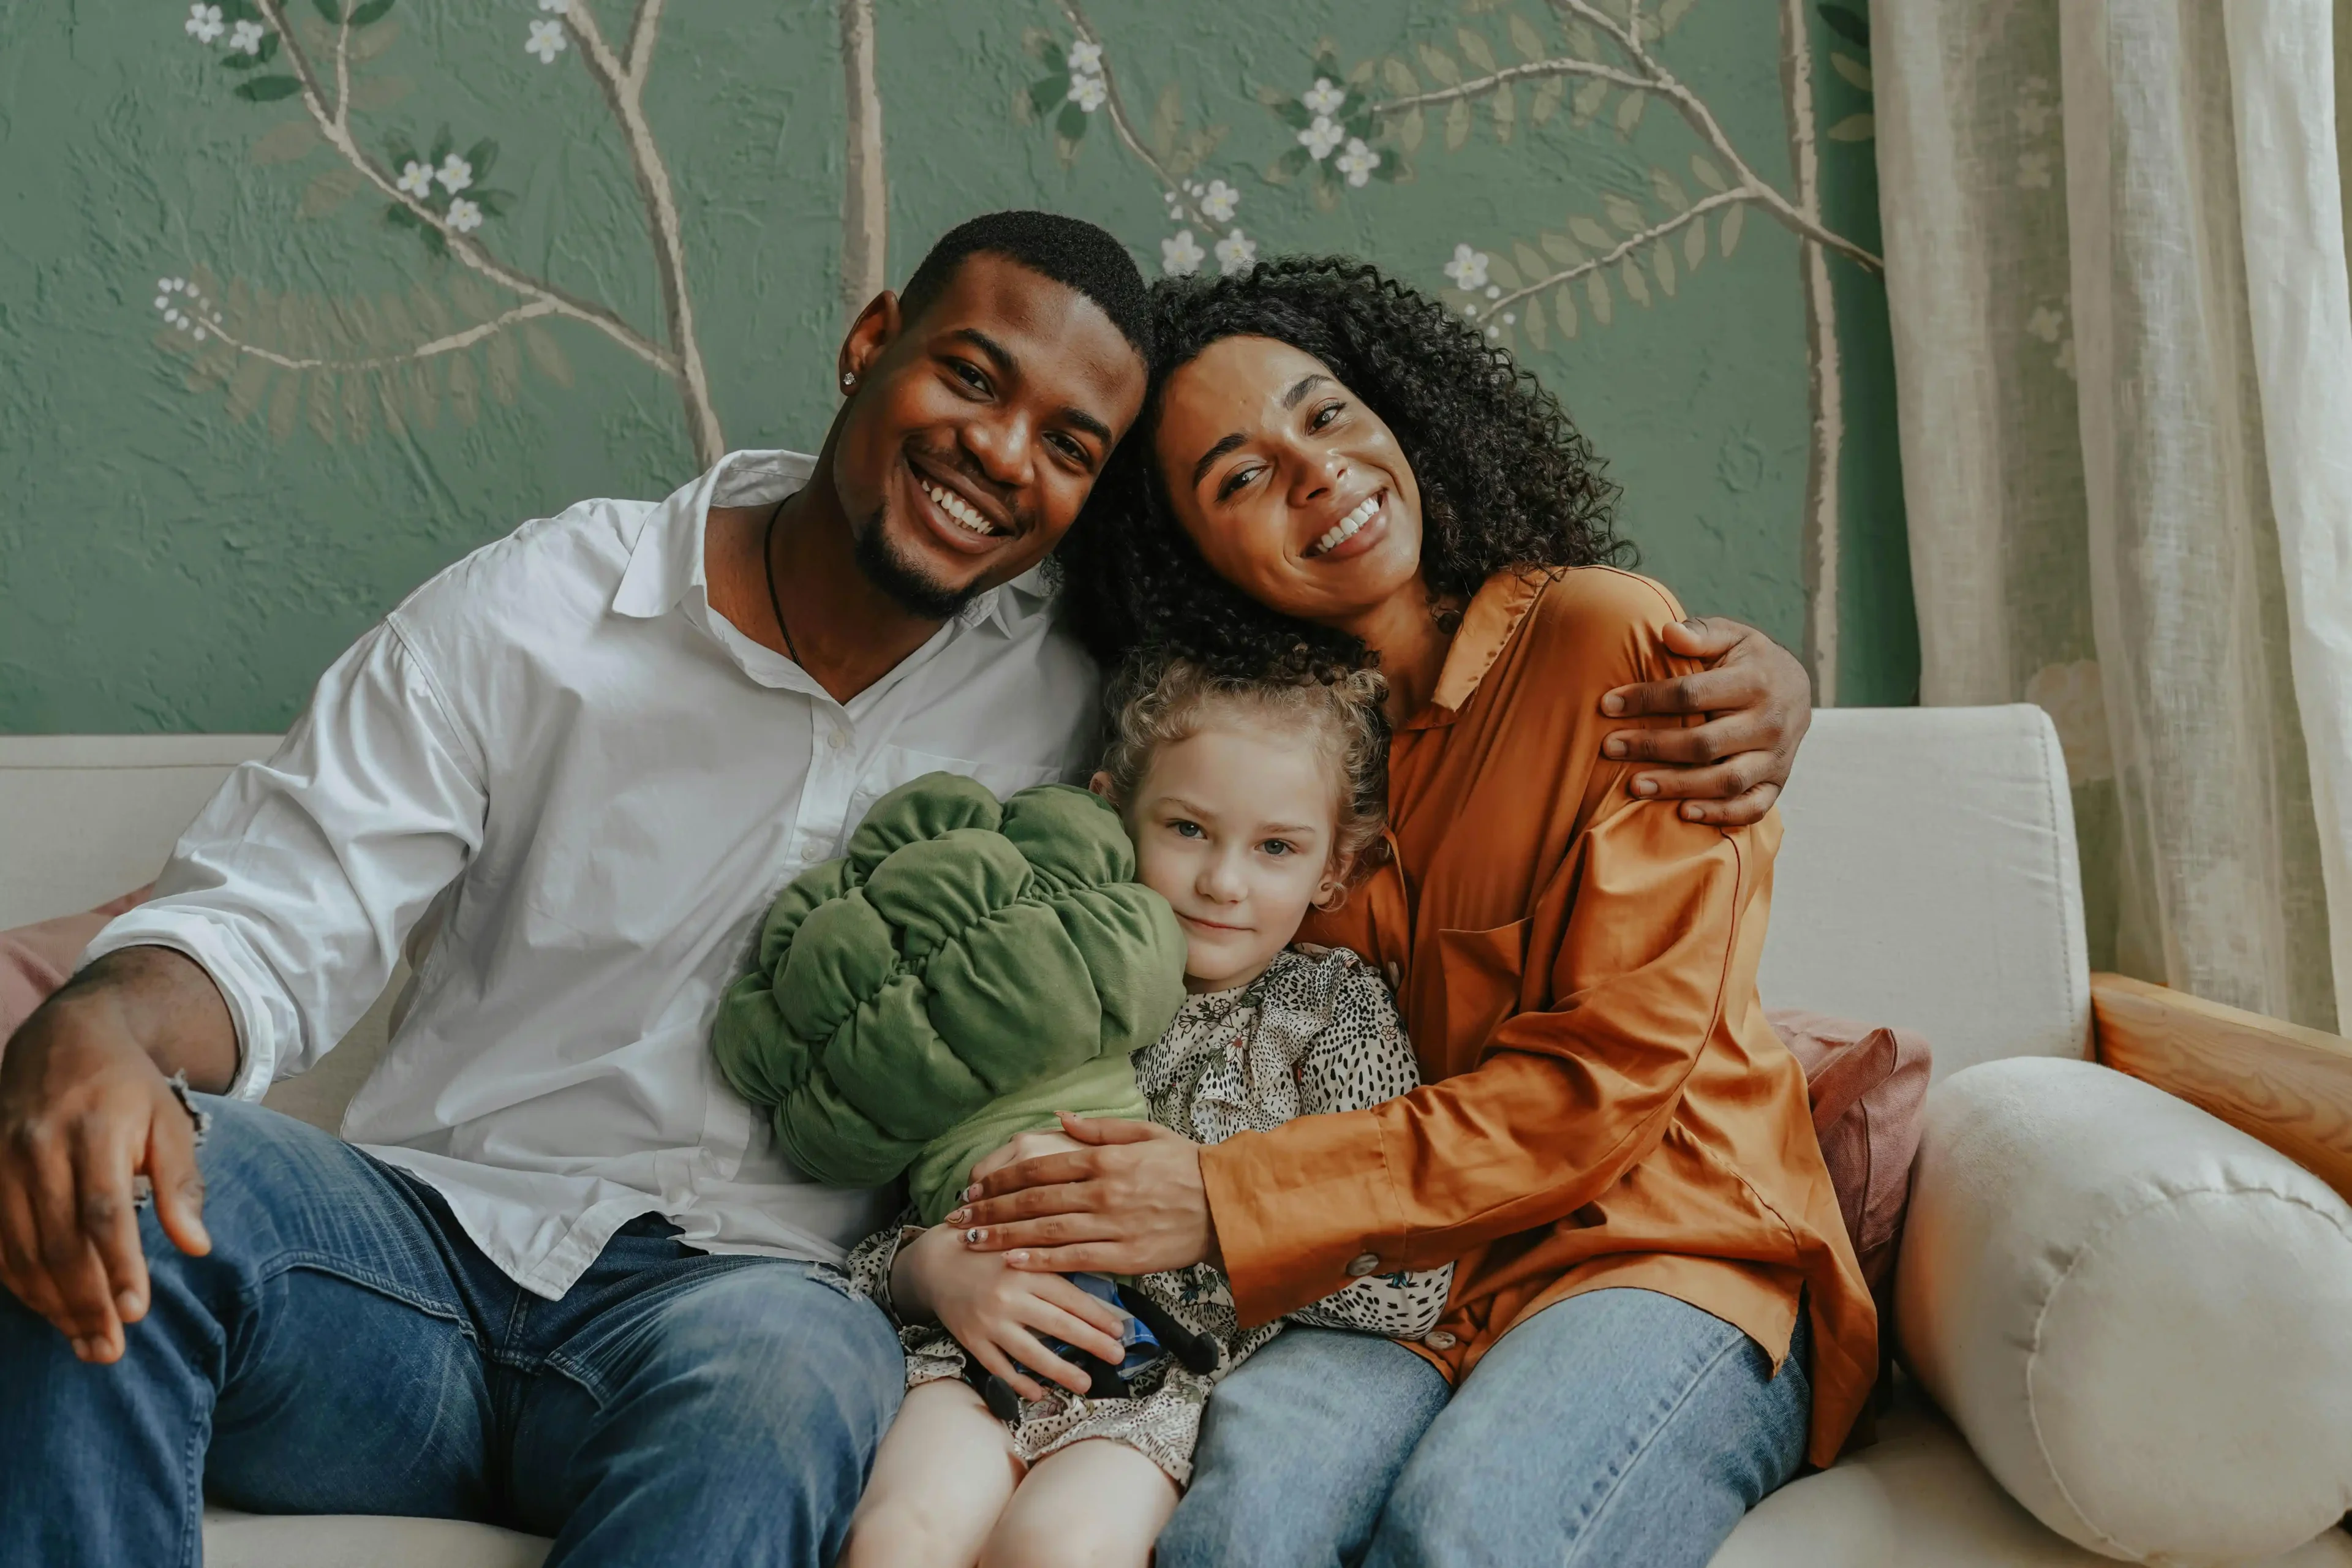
1095	1504
945	1469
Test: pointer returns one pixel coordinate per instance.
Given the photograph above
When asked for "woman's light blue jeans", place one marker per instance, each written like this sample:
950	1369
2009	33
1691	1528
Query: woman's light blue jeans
1618	1427
345	1349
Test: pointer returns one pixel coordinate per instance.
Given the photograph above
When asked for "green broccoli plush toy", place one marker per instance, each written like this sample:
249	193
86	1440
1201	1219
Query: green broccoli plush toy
965	970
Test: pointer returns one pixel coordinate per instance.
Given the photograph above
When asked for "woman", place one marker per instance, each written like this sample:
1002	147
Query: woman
1656	1315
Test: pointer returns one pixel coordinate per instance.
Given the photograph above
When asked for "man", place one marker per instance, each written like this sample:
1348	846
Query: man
565	1281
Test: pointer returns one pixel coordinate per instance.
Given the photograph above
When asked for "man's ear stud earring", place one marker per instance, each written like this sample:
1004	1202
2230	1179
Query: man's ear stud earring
848	378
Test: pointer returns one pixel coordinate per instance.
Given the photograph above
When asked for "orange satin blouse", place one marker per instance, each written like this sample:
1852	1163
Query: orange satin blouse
1605	1103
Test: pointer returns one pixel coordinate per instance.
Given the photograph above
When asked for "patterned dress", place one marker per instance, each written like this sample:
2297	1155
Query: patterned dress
1315	1032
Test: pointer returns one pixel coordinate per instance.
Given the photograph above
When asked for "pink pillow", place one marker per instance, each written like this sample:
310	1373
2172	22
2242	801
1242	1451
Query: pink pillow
1868	1083
35	960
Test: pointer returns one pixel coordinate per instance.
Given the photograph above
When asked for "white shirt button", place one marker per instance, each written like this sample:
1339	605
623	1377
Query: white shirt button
1363	1263
1438	1340
837	740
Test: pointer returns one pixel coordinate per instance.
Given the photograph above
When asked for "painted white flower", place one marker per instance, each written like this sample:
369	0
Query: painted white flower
1494	291
2033	119
1236	253
2046	323
1220	199
1358	162
546	41
2034	171
1324	98
417	179
464	215
1181	255
455	173
1088	92
204	22
1468	267
1086	57
246	37
1321	137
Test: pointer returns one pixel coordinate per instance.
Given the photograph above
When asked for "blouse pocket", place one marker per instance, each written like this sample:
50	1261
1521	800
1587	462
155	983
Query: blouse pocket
1481	972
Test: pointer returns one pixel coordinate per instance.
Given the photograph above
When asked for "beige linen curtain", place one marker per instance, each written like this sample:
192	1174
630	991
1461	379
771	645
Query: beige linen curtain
2123	341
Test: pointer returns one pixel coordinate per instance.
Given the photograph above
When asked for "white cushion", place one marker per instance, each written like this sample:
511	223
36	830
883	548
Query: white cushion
233	1540
1927	878
1918	1497
2135	1313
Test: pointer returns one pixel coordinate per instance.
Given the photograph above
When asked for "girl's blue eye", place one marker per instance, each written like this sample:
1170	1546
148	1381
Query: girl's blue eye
1278	847
1187	829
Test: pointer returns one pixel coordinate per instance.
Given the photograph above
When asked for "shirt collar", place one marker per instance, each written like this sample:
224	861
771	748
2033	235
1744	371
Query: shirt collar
666	564
1495	611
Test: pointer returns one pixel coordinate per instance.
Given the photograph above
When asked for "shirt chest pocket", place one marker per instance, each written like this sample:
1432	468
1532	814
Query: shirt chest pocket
1481	977
896	765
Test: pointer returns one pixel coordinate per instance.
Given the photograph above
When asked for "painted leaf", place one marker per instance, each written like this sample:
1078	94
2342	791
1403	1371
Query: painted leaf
1326	189
1629	112
1072	123
1439	64
369	15
330	191
1547	101
1853	128
322	406
246	387
1590	234
1733	221
505	366
1293	113
358	407
1671	14
1360	75
435	242
1694	244
1525	39
1538	333
285	144
1292	162
373	42
1668	191
1707	175
1846	22
443	145
1852	69
1531	266
1662	263
1623	213
1506	111
397	214
1048	91
1457	123
285	406
1581	43
424	393
332	10
1588	100
1629	272
1563	308
464	389
1474	48
268	89
1501	271
1410	130
1166	119
387	395
1596	294
242	62
1393	169
1399	77
382	92
481	156
1559	247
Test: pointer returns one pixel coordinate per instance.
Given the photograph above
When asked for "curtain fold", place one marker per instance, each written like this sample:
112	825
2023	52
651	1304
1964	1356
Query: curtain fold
2124	355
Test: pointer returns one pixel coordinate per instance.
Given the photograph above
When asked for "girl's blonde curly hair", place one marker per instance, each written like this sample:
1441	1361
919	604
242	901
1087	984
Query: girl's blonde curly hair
1157	700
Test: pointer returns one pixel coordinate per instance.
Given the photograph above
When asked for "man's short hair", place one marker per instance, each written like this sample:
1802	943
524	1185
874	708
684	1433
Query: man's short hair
1071	251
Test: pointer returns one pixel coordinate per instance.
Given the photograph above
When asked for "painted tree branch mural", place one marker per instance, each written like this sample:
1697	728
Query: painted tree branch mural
397	346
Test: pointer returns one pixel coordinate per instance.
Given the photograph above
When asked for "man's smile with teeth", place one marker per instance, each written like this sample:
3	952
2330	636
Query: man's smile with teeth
1345	528
958	510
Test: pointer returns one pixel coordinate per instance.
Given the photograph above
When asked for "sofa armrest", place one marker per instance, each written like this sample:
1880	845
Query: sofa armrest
2286	1085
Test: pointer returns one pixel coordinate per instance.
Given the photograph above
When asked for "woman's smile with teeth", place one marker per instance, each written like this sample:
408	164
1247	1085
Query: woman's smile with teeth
960	510
1345	528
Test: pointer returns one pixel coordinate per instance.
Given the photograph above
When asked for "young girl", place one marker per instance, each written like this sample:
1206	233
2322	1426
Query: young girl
1249	804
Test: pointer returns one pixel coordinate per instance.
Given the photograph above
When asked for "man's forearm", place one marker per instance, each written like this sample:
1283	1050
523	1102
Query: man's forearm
163	1000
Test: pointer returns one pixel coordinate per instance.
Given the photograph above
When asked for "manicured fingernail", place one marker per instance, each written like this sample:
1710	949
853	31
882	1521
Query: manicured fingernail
1646	786
970	1192
1692	623
1017	1255
1613	747
975	1235
1613	703
127	1304
81	1349
959	1216
1691	813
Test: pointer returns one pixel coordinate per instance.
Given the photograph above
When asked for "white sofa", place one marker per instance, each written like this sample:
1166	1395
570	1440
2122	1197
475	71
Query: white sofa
1927	879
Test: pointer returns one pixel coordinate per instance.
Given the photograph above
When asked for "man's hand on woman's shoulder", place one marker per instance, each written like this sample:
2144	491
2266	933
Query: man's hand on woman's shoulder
1758	703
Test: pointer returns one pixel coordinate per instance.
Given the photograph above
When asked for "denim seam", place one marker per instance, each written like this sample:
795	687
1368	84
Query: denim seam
191	1507
1585	1532
578	1370
340	1268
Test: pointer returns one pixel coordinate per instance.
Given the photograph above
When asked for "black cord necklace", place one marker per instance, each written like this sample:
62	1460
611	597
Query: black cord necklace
768	562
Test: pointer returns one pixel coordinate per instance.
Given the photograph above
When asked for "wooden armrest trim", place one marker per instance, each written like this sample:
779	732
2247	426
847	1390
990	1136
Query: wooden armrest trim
2286	1085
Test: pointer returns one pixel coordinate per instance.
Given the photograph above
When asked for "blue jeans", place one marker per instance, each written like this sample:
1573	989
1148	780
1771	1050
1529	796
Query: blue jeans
345	1349
1617	1427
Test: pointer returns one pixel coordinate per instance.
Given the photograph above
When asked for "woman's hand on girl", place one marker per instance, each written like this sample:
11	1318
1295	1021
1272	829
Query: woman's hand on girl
1759	702
1131	1203
997	1312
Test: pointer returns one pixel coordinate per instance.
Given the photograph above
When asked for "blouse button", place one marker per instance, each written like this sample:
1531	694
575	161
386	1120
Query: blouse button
1438	1340
1363	1263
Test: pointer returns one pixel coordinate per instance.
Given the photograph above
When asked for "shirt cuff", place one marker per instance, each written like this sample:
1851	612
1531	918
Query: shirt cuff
203	942
1302	1211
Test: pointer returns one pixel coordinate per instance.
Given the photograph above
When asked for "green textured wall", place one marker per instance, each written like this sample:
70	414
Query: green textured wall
190	530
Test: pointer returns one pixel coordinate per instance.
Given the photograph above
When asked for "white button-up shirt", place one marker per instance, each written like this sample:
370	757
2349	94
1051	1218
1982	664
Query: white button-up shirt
599	784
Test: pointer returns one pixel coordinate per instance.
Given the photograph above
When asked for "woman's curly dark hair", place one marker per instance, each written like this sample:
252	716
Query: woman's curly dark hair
1505	481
